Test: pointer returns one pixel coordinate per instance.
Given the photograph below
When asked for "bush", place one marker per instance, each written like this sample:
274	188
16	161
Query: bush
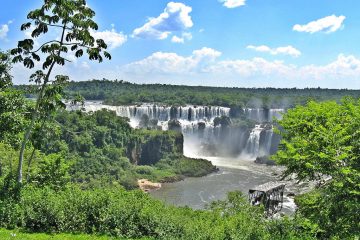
134	214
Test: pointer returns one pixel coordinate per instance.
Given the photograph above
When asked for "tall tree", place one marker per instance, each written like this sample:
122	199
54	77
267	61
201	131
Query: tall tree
5	67
75	21
321	141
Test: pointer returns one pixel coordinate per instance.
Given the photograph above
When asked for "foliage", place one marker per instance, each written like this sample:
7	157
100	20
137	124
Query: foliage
100	148
14	116
5	68
321	142
51	172
20	235
74	20
120	213
124	93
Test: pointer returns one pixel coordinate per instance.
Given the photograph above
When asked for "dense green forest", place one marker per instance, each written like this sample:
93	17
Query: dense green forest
101	148
68	173
124	93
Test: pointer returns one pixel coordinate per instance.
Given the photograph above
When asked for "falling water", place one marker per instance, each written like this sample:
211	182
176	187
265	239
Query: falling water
209	141
253	143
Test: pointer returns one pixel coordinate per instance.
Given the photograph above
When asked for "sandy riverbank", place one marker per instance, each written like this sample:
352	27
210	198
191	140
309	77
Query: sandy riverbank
146	185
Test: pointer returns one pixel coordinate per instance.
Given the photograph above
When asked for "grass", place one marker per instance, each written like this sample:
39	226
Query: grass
18	235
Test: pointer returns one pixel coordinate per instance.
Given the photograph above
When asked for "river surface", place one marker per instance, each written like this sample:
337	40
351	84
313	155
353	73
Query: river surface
233	174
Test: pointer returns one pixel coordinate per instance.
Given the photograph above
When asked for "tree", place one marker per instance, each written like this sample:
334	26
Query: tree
74	20
5	67
321	141
13	106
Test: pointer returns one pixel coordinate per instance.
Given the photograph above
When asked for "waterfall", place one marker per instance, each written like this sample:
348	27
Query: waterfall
165	113
201	137
252	147
261	115
268	139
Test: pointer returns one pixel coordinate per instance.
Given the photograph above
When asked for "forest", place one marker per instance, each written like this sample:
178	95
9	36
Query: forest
72	174
120	92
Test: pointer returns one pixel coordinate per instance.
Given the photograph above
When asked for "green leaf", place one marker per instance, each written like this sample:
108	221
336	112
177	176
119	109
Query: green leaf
35	56
107	55
74	47
25	26
17	59
79	53
28	62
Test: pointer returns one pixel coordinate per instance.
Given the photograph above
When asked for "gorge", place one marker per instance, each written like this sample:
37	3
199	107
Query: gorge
232	139
208	131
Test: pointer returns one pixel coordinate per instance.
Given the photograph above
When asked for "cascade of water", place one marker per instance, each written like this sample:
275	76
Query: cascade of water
165	113
197	125
253	144
265	147
261	115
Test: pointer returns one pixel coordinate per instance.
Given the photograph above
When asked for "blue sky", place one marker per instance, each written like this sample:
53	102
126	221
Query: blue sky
243	43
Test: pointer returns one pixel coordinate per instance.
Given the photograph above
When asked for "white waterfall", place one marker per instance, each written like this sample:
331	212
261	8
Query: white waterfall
257	143
253	143
261	115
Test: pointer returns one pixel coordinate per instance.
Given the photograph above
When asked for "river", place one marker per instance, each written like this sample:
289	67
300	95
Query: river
234	174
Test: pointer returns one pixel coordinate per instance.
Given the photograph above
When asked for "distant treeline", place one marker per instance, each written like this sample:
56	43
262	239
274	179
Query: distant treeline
125	93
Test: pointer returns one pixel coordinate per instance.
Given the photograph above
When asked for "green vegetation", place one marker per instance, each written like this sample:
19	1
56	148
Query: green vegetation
81	163
79	166
133	214
73	19
321	142
18	235
124	93
101	149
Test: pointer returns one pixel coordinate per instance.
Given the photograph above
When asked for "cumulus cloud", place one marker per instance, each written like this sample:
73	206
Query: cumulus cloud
4	29
288	50
204	66
182	39
112	38
327	24
345	66
172	63
207	60
233	3
175	18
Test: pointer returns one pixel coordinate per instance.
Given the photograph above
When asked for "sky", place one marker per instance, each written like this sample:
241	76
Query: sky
232	43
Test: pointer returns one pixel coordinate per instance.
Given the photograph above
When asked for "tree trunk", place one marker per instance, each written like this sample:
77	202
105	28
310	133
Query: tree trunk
35	113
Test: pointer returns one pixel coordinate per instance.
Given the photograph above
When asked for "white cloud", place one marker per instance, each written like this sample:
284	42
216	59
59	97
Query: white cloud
172	63
4	30
344	67
233	3
85	65
112	38
328	24
288	50
175	18
176	39
184	36
204	67
252	67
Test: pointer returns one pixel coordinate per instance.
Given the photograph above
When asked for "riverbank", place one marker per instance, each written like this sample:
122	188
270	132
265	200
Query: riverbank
233	175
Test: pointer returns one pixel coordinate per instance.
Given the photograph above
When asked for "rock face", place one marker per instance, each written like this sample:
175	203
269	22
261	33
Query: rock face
207	130
146	185
264	160
150	148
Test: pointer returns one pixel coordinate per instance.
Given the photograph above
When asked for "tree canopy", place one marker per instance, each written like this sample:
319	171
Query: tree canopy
321	141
